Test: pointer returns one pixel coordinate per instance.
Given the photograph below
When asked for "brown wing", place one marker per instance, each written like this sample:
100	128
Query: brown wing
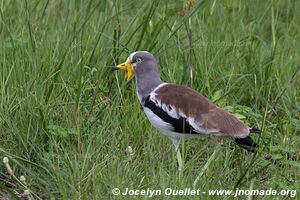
206	114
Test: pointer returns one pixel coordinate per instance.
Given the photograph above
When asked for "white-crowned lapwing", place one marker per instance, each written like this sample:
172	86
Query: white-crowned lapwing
180	112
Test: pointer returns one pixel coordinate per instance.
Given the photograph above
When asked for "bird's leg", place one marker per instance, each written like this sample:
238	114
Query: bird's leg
179	158
180	163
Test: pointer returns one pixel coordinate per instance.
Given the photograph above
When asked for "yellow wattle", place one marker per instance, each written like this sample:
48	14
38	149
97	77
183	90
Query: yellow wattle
128	67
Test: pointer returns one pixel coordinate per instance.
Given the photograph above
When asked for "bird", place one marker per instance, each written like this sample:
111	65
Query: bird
179	112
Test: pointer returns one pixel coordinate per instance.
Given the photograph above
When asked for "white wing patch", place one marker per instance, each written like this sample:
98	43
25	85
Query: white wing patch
170	109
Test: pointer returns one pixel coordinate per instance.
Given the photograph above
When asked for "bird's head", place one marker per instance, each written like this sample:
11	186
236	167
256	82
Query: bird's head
137	62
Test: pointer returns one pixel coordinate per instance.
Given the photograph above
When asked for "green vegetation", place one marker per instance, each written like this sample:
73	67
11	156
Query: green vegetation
66	120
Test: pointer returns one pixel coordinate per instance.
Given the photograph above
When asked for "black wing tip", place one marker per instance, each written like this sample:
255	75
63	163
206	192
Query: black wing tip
246	143
255	130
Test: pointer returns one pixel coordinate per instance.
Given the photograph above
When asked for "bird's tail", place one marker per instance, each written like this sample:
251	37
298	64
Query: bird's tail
246	143
255	130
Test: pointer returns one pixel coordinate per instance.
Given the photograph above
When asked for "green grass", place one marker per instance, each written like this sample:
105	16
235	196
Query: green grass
66	120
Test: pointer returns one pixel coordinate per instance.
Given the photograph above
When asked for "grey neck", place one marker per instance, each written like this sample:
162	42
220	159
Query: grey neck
146	82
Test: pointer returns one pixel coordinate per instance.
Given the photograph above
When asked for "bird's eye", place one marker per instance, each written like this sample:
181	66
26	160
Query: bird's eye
138	60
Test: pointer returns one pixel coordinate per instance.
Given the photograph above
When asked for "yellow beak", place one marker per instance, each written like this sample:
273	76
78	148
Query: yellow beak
128	67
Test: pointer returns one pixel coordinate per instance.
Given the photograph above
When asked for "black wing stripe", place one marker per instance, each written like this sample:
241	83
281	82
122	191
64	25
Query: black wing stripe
180	125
